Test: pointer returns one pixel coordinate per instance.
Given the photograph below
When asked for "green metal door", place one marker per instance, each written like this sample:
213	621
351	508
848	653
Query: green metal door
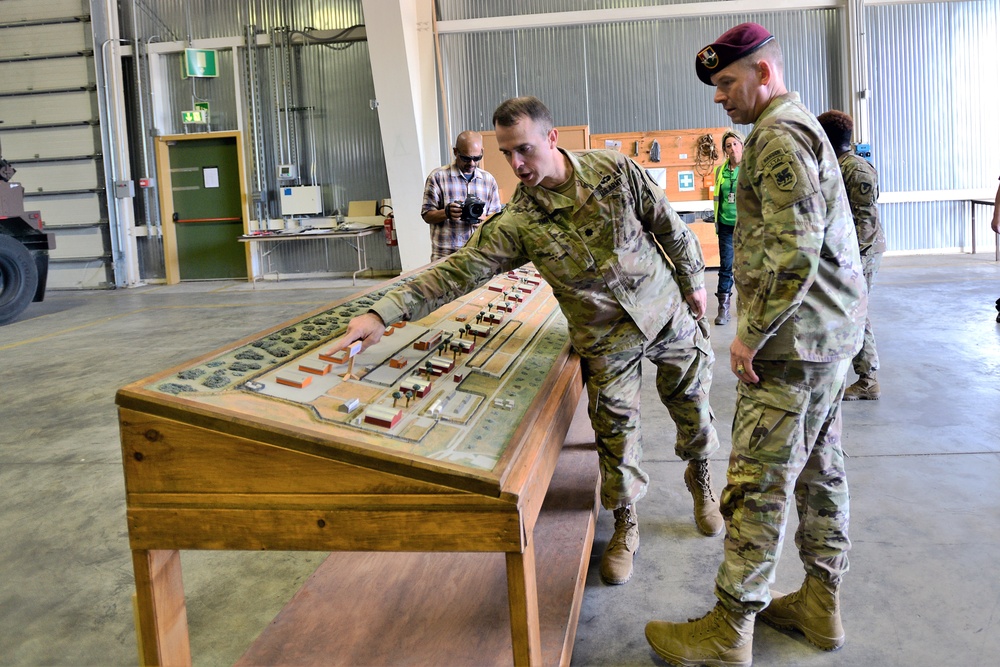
208	211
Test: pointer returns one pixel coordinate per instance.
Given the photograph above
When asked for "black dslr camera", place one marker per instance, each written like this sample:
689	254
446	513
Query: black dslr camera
472	209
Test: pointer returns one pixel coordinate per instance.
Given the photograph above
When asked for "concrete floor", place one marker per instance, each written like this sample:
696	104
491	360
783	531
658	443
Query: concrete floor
924	465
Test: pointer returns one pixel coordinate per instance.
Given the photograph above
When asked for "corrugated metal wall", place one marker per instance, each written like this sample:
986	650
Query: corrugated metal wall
624	77
931	128
935	93
326	126
934	87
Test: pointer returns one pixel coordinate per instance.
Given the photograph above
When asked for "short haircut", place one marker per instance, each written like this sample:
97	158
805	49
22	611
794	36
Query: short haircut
508	113
771	52
838	127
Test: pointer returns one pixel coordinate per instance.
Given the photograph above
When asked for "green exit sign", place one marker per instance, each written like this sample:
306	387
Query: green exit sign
193	117
201	63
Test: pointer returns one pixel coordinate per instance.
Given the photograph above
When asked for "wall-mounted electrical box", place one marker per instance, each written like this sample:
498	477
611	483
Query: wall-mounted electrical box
863	150
287	172
301	200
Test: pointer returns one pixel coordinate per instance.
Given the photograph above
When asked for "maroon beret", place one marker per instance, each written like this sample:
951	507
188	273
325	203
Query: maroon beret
732	45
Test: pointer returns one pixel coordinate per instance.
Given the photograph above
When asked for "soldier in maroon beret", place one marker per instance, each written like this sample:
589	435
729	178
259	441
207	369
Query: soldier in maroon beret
800	320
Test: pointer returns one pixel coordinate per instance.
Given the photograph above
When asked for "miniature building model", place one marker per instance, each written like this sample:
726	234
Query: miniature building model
294	379
429	341
382	416
480	330
315	367
337	357
417	386
441	365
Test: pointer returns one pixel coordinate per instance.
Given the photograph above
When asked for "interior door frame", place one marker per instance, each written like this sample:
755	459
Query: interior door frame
171	263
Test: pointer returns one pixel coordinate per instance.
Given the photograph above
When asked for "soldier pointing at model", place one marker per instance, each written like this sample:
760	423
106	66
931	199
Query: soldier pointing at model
596	228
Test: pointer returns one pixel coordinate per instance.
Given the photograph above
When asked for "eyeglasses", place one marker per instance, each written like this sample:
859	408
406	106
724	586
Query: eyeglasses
469	158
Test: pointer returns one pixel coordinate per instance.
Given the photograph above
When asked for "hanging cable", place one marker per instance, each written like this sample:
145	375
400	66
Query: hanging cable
706	155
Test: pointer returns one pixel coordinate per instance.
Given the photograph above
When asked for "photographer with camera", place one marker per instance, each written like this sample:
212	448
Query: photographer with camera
459	196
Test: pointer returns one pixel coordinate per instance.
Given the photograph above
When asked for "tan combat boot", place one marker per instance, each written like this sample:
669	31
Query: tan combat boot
865	389
706	505
813	610
720	638
616	563
723	316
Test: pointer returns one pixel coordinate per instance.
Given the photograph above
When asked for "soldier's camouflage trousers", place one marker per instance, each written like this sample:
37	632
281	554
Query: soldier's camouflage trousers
683	358
866	360
786	440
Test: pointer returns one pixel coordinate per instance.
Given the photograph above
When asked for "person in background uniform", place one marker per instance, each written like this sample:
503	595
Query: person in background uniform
995	225
861	182
593	223
447	189
801	307
725	217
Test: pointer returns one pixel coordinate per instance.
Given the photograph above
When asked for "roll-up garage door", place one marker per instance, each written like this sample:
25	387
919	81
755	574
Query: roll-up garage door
50	133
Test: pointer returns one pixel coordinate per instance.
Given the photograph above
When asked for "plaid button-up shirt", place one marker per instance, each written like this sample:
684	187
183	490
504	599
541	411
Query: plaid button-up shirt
448	184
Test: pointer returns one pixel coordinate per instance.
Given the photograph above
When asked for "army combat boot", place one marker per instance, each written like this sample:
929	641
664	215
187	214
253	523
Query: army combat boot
706	505
723	316
865	389
720	638
616	563
813	610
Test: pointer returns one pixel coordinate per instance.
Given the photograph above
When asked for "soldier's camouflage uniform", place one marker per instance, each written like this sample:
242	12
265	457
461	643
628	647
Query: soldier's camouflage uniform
802	301
600	253
861	183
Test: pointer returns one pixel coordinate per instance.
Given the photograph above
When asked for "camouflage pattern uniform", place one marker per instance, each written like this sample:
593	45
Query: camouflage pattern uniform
861	182
802	300
601	254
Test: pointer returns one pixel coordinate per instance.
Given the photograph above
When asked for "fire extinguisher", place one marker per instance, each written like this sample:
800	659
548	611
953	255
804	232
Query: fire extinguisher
389	227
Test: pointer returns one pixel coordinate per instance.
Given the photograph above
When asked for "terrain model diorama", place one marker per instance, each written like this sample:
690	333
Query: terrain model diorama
451	387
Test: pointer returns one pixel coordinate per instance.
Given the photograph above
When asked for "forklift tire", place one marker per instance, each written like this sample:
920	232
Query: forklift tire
18	279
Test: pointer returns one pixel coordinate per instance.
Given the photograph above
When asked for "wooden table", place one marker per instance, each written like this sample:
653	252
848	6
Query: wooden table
218	455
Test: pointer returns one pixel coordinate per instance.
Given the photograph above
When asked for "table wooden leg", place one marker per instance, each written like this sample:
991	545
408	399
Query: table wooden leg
522	594
162	614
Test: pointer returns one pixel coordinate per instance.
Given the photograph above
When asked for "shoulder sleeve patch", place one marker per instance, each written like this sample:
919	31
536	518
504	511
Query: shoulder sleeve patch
785	180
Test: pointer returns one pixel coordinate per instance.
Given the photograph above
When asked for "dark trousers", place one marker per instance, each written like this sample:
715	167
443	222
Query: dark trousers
725	258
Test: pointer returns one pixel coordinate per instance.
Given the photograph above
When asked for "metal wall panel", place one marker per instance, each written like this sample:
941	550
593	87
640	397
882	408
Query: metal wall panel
78	243
68	210
58	176
933	124
58	108
43	40
42	75
37	10
79	274
631	76
926	225
48	142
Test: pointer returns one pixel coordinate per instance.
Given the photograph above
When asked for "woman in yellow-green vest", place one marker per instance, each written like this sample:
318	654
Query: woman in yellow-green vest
725	217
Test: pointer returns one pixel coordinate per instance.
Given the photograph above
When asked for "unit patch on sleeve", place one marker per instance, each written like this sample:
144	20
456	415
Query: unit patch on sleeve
785	178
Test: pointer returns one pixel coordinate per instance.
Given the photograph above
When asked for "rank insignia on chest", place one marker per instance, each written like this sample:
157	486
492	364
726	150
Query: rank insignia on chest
608	185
